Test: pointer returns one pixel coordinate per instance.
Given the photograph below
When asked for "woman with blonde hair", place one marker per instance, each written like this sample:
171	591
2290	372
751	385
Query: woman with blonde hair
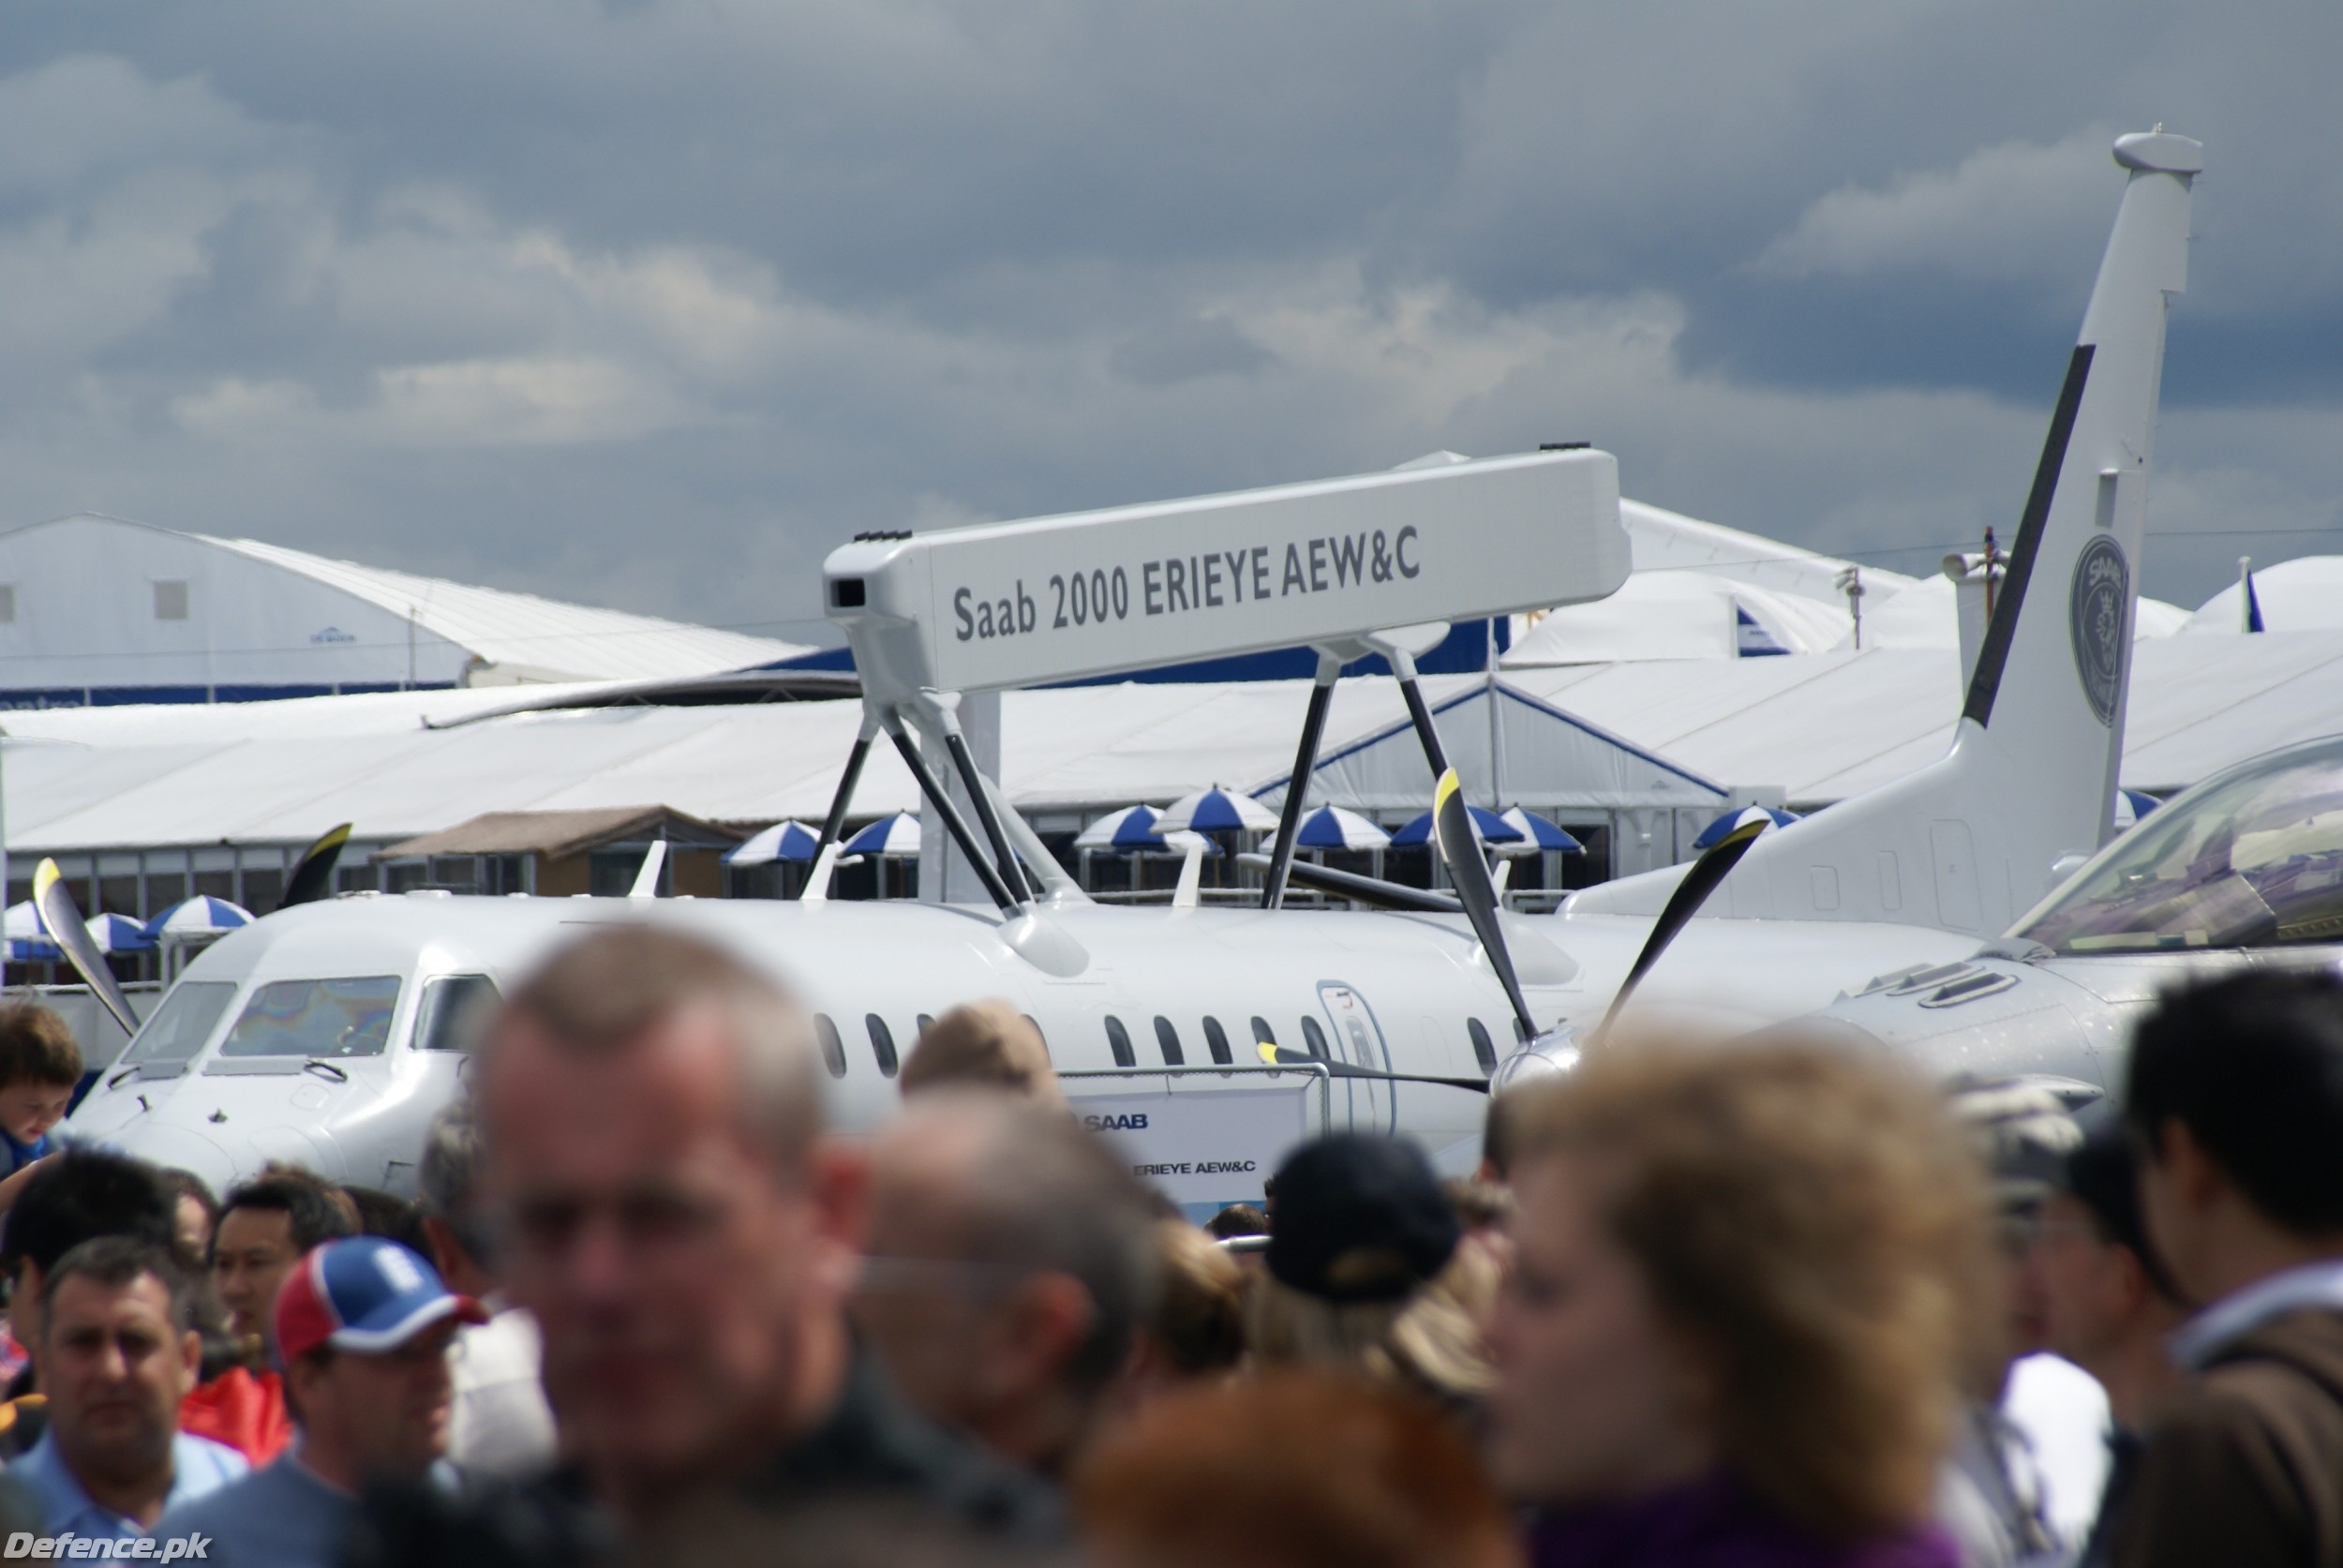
1366	1272
1196	1332
983	1044
1745	1287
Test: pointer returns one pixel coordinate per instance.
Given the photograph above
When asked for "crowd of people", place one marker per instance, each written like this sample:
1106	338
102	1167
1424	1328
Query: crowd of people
1711	1303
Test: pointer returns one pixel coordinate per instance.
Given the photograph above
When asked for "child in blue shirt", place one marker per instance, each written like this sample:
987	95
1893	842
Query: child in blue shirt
39	1065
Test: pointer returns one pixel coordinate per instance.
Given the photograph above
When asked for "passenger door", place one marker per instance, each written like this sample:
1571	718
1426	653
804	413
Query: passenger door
1358	1040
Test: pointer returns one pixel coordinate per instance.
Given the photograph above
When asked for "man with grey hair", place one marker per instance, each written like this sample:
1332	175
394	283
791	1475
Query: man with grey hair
500	1422
669	1209
1012	1258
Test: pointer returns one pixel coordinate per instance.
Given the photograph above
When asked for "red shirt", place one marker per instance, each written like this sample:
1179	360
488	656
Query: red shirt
244	1412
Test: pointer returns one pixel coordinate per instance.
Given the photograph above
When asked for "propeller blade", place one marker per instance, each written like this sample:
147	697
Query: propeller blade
1362	890
63	918
312	875
1280	1056
1708	874
1460	844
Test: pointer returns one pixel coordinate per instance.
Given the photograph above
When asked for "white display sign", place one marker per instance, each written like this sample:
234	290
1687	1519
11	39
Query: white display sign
1091	593
1204	1149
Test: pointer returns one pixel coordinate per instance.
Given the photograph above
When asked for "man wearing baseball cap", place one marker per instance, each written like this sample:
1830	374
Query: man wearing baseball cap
362	1329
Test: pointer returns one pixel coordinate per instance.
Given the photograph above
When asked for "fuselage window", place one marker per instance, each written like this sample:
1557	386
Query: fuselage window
1037	1029
1484	1048
1119	1042
1168	1038
1315	1037
1217	1041
882	1044
1263	1034
926	1022
833	1049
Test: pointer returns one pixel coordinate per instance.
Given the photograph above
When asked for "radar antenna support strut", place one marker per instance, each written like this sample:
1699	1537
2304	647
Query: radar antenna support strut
1403	667
1273	893
835	823
957	825
937	709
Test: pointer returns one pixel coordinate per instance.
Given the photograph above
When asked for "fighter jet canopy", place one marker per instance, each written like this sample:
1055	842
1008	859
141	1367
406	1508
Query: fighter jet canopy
2251	858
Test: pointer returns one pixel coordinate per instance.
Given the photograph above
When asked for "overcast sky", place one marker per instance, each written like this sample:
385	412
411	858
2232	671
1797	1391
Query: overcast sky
651	304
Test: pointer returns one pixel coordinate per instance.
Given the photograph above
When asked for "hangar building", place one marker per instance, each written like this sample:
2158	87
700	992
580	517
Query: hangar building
97	611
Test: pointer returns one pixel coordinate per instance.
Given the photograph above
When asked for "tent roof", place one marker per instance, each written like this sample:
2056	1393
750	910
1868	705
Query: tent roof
1833	725
556	834
1819	728
525	635
523	632
2304	594
1665	541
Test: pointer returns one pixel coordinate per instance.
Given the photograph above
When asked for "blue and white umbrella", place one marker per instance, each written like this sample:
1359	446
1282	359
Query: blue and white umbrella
897	835
29	934
1546	835
119	933
2131	805
1216	811
201	916
1133	828
1494	830
1772	817
1333	828
783	840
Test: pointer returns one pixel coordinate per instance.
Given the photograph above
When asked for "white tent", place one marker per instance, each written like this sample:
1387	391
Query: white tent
1834	724
1686	614
2305	594
1648	747
1681	615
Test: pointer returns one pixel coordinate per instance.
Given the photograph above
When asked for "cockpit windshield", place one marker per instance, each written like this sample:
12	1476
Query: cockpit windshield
340	1017
2253	857
182	1024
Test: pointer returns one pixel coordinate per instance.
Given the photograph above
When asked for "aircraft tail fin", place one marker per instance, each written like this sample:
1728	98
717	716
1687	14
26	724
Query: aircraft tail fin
1967	842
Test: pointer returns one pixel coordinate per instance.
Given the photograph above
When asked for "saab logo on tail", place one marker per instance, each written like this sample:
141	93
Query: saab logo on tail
2096	607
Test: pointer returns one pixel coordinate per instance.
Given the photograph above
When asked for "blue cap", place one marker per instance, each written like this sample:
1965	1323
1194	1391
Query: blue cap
366	1294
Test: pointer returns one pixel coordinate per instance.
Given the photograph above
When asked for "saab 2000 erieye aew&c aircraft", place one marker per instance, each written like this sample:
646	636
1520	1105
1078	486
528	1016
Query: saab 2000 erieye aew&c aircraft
331	1033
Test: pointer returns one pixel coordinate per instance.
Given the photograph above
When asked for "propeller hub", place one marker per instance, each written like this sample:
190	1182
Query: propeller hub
1552	1054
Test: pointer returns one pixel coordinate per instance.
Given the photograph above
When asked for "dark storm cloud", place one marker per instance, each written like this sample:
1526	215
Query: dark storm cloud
652	303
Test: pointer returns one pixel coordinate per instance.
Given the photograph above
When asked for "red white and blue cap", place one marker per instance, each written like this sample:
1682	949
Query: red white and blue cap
365	1294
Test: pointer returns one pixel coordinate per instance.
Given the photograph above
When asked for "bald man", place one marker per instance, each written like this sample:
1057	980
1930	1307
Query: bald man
1012	1258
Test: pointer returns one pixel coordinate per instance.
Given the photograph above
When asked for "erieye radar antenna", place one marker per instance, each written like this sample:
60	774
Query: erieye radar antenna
1373	563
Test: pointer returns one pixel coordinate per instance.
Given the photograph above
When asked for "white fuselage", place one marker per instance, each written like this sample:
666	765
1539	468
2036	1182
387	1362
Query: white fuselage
1403	994
2068	1016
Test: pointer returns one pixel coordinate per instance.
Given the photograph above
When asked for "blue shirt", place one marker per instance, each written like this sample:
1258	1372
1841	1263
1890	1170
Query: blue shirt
21	1155
198	1465
283	1517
